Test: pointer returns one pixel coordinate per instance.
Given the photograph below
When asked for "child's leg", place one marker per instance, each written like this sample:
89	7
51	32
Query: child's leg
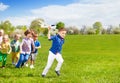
4	60
17	55
13	57
1	57
29	59
60	61
27	62
33	57
51	58
20	60
26	57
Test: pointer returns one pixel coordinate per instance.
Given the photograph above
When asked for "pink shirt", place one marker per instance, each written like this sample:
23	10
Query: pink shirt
26	45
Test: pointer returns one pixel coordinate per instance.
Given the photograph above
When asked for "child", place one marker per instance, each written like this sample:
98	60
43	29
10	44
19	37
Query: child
5	49
34	54
55	51
15	45
1	35
25	48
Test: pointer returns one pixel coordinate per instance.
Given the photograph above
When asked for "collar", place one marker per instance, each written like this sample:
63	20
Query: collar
59	36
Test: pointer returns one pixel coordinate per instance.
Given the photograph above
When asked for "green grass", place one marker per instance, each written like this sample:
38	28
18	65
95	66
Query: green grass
87	59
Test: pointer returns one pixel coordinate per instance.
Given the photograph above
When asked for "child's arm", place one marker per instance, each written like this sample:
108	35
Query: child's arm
10	49
33	46
49	32
0	46
21	46
11	44
38	47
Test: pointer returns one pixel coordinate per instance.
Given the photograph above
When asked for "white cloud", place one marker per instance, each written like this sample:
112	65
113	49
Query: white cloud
3	7
78	14
25	20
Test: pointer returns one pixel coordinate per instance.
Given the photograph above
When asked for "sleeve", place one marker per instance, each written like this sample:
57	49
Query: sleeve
52	37
10	49
38	44
33	46
21	45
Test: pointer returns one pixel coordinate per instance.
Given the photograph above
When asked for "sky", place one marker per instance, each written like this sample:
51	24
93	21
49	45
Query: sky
71	12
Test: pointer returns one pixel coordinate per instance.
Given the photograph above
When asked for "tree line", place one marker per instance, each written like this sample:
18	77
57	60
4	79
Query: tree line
96	28
36	25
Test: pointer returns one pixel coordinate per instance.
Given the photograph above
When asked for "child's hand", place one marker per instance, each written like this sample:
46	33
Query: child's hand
8	52
36	47
49	28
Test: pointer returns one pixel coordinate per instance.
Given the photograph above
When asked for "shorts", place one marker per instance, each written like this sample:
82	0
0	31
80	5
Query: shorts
33	56
15	54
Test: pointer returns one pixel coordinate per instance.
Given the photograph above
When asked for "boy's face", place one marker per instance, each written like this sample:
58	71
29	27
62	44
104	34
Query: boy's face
35	37
17	37
62	33
5	39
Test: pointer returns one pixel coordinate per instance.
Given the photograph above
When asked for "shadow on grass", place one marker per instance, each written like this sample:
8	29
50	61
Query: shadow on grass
51	76
10	66
28	75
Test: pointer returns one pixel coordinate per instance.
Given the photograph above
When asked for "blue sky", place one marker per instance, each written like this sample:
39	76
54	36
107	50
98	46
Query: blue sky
22	7
71	12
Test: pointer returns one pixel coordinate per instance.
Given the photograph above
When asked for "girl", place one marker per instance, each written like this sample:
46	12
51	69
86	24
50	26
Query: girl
5	49
25	48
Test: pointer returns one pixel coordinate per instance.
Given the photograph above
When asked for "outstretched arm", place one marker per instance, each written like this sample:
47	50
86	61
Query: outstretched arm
49	32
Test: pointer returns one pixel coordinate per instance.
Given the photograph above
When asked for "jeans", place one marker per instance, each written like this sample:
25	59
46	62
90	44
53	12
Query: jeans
23	58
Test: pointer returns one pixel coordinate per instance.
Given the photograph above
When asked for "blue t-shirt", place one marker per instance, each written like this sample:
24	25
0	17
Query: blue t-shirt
37	44
57	43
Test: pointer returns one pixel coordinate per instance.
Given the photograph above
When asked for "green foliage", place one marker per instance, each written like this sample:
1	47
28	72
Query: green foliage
60	25
45	32
98	27
116	30
91	31
36	25
7	27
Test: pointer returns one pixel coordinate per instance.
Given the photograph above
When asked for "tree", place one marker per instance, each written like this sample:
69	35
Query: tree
91	31
98	27
7	27
60	25
36	25
116	30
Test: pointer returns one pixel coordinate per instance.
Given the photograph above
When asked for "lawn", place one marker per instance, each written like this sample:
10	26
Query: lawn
87	59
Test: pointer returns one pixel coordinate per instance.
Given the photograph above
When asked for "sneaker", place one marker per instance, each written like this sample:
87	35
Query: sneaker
57	72
26	65
3	67
31	66
13	63
43	75
22	64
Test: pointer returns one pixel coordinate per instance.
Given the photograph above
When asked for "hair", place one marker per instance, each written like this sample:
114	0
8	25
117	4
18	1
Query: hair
62	29
17	34
1	30
28	32
35	35
6	36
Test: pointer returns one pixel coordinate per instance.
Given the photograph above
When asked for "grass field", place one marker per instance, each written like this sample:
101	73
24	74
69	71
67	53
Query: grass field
87	59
